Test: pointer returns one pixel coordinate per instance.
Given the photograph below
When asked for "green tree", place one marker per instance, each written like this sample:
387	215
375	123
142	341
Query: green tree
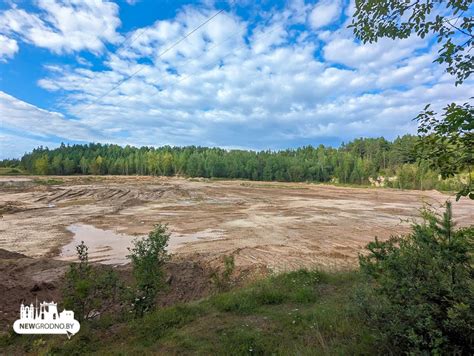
57	164
353	162
96	165
42	165
148	256
449	20
69	166
167	163
90	291
407	176
84	165
452	23
448	142
420	293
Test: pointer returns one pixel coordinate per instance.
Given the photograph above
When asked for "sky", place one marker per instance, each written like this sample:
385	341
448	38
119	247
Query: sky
257	75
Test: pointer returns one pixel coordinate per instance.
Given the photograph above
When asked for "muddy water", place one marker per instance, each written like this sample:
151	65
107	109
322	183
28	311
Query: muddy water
108	247
104	245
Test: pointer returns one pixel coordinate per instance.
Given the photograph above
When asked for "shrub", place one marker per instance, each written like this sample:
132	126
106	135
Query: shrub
420	291
222	280
148	256
90	291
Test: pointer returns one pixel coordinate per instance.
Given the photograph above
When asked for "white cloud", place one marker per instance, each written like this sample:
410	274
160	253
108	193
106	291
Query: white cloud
371	55
64	26
16	145
18	115
233	83
266	83
8	48
324	13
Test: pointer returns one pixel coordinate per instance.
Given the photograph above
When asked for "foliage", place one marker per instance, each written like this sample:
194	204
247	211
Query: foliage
420	291
9	163
448	142
10	171
222	280
148	256
41	165
356	162
450	21
90	291
297	313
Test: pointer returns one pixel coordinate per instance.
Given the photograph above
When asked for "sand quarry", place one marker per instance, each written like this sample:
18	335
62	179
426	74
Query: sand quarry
280	226
267	227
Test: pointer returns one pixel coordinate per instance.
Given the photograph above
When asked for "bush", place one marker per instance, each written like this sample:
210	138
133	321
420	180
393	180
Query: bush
90	291
148	256
222	280
420	291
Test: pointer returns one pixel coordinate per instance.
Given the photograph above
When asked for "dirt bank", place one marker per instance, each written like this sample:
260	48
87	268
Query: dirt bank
28	280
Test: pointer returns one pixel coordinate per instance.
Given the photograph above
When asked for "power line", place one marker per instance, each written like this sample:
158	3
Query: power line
117	50
141	68
191	75
187	61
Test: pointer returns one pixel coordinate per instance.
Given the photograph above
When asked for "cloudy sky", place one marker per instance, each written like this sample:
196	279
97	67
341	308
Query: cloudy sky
258	75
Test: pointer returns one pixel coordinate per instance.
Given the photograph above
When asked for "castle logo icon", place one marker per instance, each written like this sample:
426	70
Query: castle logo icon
45	319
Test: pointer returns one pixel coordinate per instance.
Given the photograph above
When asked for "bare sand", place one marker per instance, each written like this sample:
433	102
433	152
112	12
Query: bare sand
280	226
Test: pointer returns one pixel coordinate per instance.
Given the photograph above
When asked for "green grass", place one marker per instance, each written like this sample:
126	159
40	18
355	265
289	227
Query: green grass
48	181
11	171
302	312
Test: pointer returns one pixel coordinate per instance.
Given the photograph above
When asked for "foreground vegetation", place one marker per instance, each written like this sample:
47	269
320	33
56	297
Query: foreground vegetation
358	162
297	312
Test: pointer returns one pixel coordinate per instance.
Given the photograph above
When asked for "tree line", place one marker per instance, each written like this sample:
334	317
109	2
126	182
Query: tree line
358	162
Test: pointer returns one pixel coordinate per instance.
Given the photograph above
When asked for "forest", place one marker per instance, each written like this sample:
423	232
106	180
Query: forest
361	161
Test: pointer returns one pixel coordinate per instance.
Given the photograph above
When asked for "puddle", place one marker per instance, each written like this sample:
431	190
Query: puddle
105	246
108	247
15	179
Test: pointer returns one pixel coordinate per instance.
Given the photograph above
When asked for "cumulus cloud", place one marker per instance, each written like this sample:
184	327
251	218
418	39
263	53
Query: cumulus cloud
8	48
324	13
64	26
234	83
382	53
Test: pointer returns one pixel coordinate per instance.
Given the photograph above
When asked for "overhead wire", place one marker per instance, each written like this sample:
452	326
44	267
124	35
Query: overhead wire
118	49
190	59
176	43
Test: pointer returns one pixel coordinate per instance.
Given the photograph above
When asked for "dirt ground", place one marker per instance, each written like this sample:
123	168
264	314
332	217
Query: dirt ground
265	226
29	280
278	226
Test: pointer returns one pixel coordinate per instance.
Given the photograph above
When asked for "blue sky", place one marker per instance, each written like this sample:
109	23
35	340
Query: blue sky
259	75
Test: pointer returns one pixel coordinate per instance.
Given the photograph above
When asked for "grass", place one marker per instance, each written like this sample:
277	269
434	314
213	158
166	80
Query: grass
274	185
48	181
302	312
11	171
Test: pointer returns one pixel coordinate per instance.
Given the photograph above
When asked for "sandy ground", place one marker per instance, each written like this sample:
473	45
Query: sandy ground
277	225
